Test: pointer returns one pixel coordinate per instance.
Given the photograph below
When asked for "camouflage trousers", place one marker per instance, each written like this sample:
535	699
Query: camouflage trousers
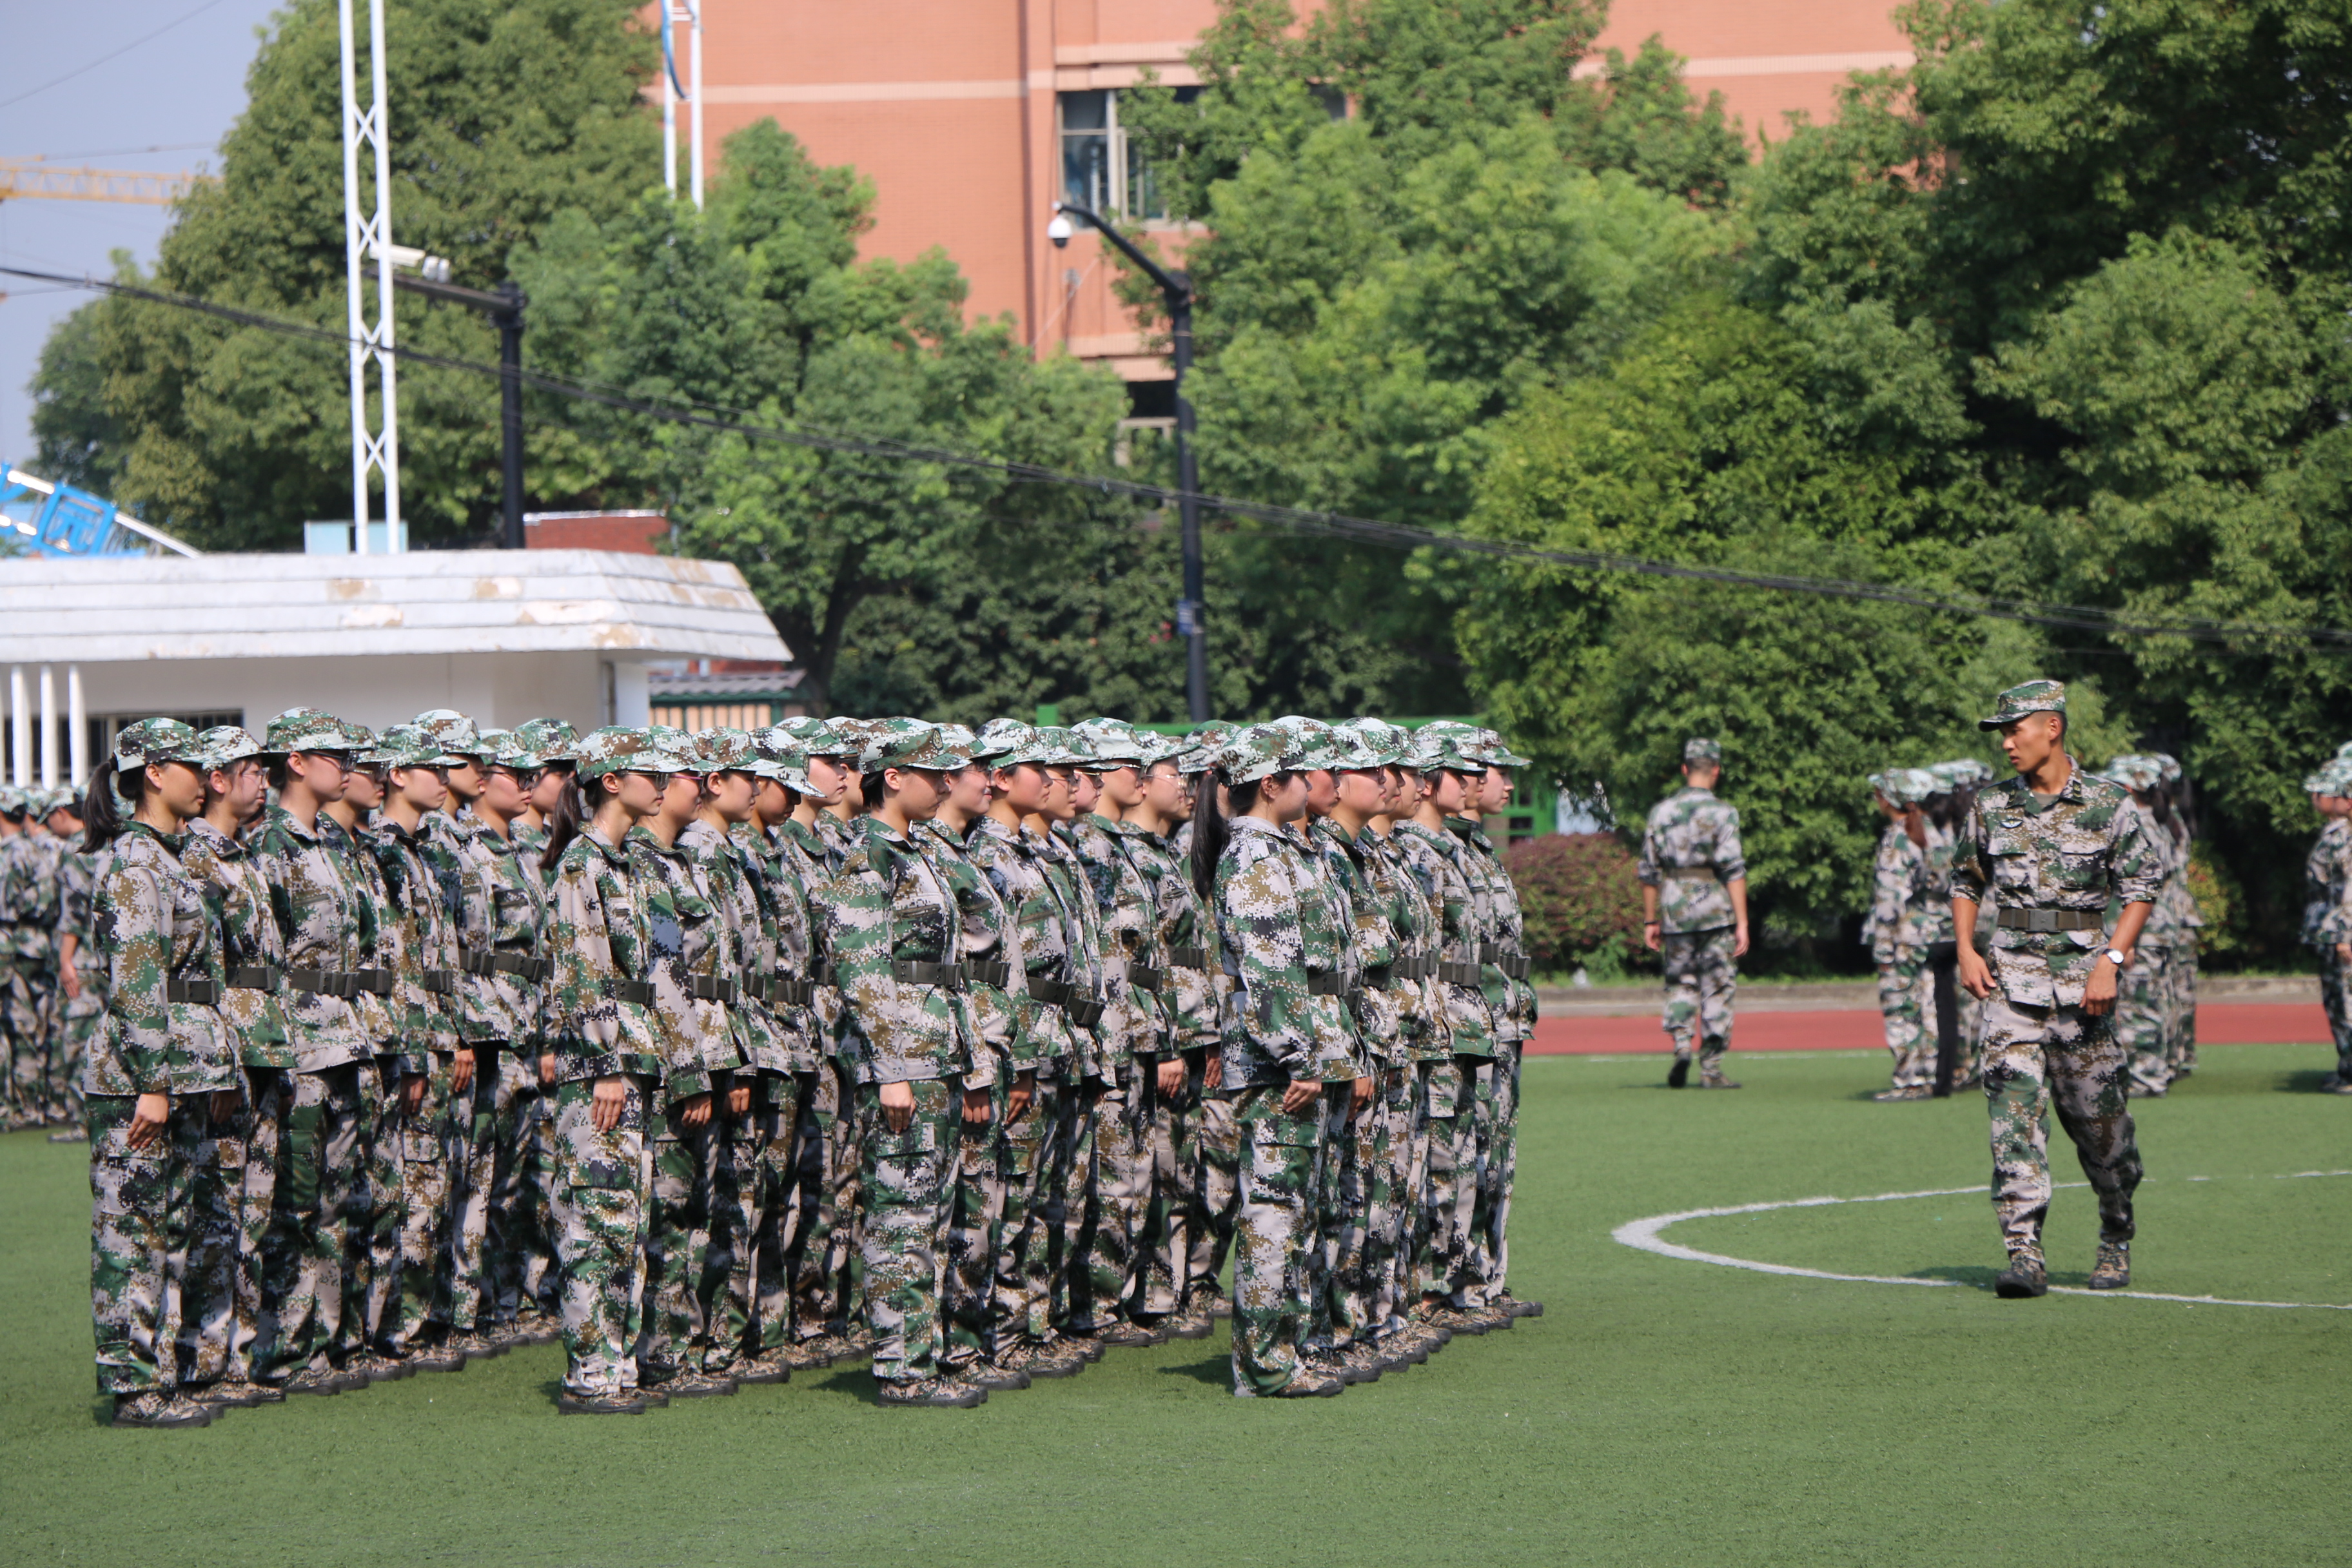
975	1224
1023	1310
1106	1287
758	1310
234	1187
371	1267
1175	1173
2143	1020
1700	983
502	1253
1364	1224
1490	1218
689	1240
410	1291
2336	998
1284	1162
2037	1060
603	1184
2181	1036
140	1230
25	1015
1905	1004
309	1284
1409	1143
79	1019
1461	1128
905	1178
1214	1160
1068	1180
826	1195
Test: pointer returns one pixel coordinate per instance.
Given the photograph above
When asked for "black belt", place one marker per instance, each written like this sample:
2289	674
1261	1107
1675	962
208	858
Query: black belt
824	975
1693	873
441	981
255	976
1514	964
1050	991
2051	920
531	969
784	992
711	988
1148	979
378	981
1326	984
986	972
326	982
1420	968
913	972
1381	976
1085	1014
635	991
1457	973
1189	957
206	992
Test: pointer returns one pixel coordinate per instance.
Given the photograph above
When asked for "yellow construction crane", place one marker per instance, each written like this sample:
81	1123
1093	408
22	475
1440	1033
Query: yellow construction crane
23	177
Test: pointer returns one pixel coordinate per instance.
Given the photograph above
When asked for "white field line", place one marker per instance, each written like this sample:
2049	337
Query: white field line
1647	1235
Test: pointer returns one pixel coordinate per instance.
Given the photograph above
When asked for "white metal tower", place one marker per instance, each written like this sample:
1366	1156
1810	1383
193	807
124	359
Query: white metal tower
688	13
366	237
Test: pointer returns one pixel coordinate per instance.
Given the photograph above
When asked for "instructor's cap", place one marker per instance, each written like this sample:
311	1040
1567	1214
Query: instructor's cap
2033	697
1700	749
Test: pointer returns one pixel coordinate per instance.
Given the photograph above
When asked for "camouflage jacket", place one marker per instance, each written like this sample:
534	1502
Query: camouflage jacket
77	891
785	954
992	1017
1372	940
837	840
802	852
1690	850
891	925
690	941
2070	854
1282	948
1014	862
1083	936
417	902
1188	996
529	841
150	924
1931	908
1134	1022
2328	885
1430	856
239	901
601	939
381	941
28	897
505	916
1423	1032
1898	876
316	906
2174	920
733	877
1504	928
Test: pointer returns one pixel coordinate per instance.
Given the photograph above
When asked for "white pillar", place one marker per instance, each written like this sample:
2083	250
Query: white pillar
694	87
49	727
77	728
631	702
20	729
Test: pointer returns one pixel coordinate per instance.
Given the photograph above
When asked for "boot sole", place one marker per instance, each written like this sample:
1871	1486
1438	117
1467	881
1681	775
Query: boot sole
2018	1289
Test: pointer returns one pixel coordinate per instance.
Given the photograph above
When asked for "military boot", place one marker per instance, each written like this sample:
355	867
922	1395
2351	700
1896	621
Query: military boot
2024	1277
2113	1271
154	1408
1678	1074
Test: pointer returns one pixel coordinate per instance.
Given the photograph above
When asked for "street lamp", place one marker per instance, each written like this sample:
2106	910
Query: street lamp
504	306
1176	290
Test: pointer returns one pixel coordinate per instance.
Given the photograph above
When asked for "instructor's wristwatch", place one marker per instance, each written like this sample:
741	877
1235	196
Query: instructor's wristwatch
2118	957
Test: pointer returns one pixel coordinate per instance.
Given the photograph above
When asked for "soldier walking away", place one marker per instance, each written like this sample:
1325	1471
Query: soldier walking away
2053	843
1695	912
2326	914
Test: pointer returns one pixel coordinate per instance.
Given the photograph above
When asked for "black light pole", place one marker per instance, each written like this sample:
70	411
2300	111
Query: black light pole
504	306
1176	290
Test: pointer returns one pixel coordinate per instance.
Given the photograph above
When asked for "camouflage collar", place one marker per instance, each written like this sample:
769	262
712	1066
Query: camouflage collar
1260	825
168	840
219	843
281	817
589	834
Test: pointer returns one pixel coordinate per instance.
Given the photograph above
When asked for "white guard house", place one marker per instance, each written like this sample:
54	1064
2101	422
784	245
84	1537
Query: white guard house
501	634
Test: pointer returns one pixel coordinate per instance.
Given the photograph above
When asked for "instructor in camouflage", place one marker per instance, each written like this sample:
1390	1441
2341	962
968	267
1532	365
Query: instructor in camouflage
1695	912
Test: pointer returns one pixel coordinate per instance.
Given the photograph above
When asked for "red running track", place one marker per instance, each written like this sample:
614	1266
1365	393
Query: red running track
2223	1024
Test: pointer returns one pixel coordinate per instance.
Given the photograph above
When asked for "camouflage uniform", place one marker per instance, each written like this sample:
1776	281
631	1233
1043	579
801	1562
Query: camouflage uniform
80	1015
891	925
317	911
162	1035
400	1051
2327	918
1690	850
2054	862
825	1144
1069	1153
1505	974
1899	884
28	982
226	1278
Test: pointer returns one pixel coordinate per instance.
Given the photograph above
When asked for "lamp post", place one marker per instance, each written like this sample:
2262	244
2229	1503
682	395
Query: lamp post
1176	290
504	306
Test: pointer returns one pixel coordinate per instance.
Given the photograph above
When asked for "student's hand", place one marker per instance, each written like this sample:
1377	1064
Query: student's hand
695	1110
147	1119
898	1105
1361	1099
611	1095
1974	974
1302	1093
1739	940
70	979
412	1093
1172	1074
2099	990
1213	1075
976	1107
461	1071
738	1100
546	1071
1017	1102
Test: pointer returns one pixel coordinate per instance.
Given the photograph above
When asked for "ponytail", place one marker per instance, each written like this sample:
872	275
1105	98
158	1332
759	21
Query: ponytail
563	823
102	815
1210	833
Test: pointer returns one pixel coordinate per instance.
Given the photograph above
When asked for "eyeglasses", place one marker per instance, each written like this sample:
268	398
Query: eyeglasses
524	778
660	781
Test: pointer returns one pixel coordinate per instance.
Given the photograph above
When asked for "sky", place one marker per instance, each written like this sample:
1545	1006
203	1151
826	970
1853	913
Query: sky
175	93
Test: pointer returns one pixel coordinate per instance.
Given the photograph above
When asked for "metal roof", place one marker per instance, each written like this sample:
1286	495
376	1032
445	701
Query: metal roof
420	602
729	683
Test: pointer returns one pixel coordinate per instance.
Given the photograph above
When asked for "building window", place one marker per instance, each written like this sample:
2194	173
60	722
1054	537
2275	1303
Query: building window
1101	169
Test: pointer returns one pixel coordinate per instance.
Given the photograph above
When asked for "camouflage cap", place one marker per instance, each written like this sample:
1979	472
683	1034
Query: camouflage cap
1254	752
721	749
1963	773
2333	778
2167	766
452	730
1310	741
408	746
1392	742
1486	746
617	747
1354	751
513	751
2344	752
1913	786
852	732
960	737
549	740
1112	741
1063	747
2134	772
1201	744
14	804
148	741
1008	742
815	737
1435	748
780	758
492	740
65	797
1701	748
908	743
226	743
305	730
2033	697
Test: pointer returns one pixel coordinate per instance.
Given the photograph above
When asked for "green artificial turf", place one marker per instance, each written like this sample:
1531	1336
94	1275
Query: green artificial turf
1663	1412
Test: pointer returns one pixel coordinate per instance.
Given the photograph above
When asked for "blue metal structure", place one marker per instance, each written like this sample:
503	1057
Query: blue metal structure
44	518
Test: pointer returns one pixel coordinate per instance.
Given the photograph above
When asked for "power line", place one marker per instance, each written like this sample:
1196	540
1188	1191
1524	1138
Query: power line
117	54
1328	524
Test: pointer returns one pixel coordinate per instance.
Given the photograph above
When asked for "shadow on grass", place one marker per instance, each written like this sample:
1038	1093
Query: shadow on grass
1217	1372
1980	1279
2304	1082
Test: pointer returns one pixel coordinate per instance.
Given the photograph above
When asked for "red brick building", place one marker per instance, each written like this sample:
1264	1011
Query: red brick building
969	115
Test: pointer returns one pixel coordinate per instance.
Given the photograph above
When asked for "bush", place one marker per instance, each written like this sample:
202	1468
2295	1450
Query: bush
1581	900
